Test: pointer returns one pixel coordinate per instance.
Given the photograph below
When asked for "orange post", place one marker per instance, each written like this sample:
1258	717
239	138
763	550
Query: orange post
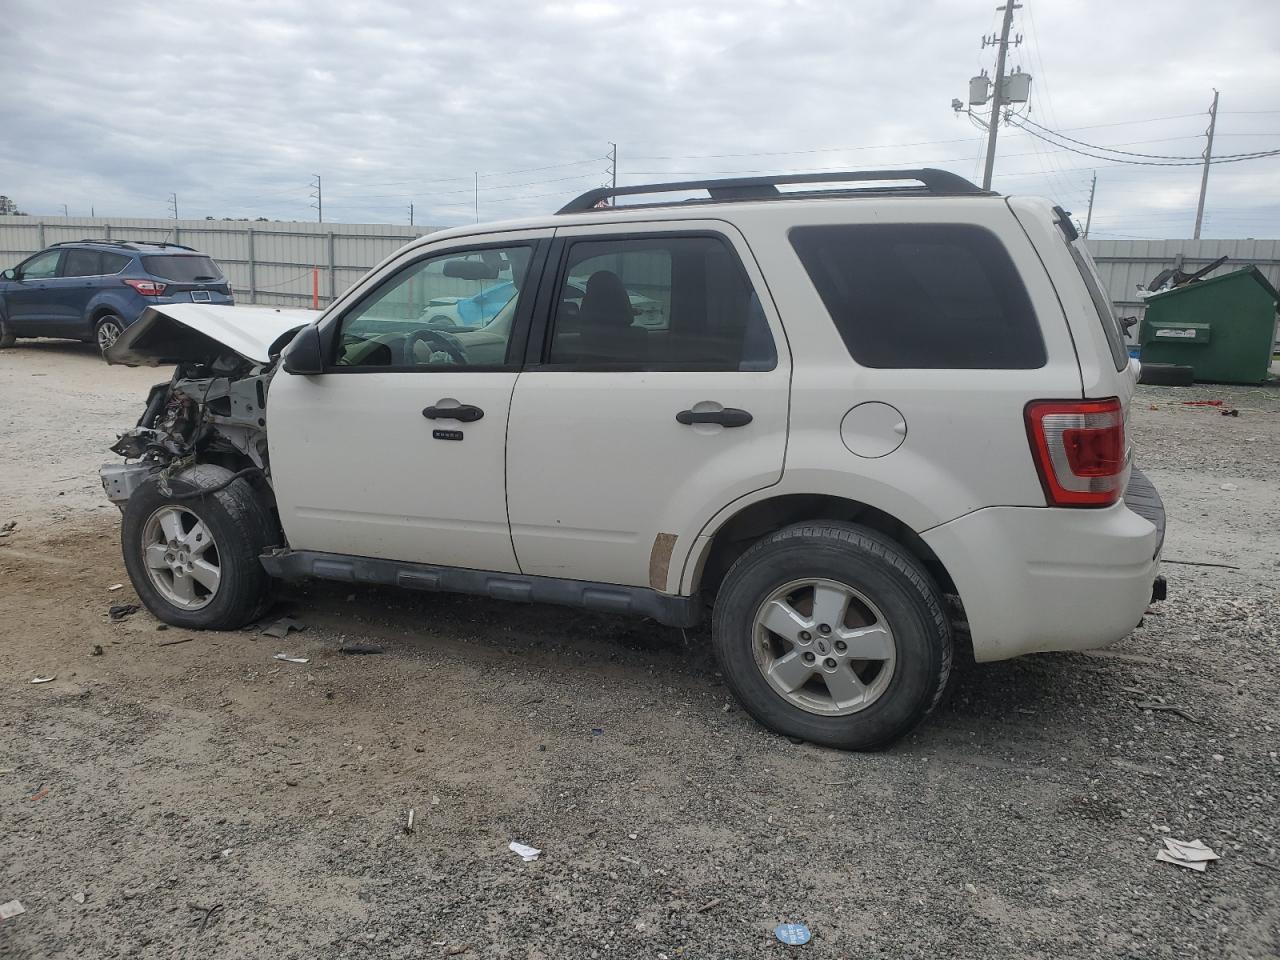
315	288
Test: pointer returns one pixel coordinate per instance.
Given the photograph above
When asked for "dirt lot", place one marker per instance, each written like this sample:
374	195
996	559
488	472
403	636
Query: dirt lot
148	784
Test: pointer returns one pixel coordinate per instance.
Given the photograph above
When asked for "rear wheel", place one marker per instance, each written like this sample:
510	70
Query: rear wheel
832	633
194	560
107	331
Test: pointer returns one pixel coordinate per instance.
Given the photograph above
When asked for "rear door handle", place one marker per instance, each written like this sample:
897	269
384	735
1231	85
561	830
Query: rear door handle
464	412
728	417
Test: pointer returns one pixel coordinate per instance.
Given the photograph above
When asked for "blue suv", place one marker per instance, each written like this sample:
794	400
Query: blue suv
92	289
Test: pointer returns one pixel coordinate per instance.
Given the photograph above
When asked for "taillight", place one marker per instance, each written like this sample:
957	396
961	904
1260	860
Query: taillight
148	288
1079	449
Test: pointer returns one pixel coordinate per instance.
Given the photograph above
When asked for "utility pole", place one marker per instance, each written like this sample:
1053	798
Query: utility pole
1089	216
317	194
613	157
66	214
1208	156
997	94
411	214
477	196
173	205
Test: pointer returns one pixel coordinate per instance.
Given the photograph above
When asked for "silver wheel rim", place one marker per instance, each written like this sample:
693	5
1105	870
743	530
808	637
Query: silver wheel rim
824	647
108	333
181	558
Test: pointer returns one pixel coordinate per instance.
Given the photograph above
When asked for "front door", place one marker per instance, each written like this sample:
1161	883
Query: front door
30	298
656	393
396	451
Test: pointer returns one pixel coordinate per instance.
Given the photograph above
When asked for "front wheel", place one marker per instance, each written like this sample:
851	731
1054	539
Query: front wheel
194	559
832	633
7	336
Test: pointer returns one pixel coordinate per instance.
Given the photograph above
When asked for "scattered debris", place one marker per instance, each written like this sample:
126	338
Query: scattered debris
39	794
408	827
281	627
456	949
7	527
114	587
288	659
1227	486
597	731
1194	855
1202	403
792	934
78	896
435	801
1199	563
162	626
170	643
361	649
708	905
11	909
208	914
1137	768
529	853
52	676
121	610
1170	708
1231	413
97	650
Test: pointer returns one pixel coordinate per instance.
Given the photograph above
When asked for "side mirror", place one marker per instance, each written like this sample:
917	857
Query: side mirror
10	274
304	356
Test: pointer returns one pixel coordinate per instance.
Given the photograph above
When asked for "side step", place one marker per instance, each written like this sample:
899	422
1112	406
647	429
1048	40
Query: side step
608	597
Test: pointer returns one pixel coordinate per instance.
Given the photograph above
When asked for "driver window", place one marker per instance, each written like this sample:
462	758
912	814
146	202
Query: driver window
453	310
41	267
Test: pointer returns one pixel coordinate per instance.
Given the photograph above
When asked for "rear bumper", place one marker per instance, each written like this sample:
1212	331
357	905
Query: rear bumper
1034	579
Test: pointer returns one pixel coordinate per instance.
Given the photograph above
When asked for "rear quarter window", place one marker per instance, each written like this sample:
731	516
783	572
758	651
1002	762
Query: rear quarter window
924	296
182	269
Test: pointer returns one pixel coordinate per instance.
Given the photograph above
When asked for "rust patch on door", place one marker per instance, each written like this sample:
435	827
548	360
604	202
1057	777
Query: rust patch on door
660	560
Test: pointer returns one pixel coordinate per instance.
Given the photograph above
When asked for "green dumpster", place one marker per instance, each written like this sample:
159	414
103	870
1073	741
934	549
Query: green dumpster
1222	328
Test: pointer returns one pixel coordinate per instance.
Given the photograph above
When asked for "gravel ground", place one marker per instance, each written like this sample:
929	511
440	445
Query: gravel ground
147	784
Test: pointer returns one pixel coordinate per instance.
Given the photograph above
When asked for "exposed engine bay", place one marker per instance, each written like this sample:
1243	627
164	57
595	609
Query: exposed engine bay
213	408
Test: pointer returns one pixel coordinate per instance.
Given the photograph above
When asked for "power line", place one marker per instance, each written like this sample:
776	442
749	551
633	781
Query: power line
1170	162
1131	153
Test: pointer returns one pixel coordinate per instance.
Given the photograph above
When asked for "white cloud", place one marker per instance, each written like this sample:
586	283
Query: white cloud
235	104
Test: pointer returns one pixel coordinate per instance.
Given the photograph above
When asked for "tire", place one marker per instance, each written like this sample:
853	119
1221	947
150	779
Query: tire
234	529
900	625
106	330
1166	375
7	337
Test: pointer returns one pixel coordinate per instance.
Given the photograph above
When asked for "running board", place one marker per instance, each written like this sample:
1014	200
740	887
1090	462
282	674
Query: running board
607	597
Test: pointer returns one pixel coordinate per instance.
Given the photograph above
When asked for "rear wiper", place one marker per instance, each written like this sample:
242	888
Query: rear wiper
198	279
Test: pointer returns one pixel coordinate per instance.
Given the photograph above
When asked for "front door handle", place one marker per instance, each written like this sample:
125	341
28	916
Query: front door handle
464	412
728	417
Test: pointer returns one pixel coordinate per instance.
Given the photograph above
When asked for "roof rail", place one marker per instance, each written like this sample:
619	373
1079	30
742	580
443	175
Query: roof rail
937	182
124	243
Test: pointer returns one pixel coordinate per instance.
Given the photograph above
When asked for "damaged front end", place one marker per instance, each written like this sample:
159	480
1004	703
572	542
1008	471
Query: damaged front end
214	408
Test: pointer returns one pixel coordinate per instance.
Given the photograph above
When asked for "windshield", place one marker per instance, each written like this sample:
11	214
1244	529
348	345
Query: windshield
182	268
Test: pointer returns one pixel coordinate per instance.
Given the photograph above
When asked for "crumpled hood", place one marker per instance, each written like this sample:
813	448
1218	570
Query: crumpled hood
186	332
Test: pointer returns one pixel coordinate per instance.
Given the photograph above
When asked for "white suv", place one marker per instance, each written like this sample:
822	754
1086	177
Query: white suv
856	415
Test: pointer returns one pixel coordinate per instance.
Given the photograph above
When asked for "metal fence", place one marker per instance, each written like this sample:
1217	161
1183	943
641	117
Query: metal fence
282	263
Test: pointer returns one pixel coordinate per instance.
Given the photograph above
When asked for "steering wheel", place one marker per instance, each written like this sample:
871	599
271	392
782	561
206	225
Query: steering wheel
436	340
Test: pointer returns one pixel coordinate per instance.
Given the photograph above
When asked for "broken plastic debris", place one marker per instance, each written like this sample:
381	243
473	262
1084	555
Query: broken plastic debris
44	679
121	610
408	827
115	586
597	731
792	934
288	659
11	909
1194	855
78	896
529	853
360	649
282	627
1227	486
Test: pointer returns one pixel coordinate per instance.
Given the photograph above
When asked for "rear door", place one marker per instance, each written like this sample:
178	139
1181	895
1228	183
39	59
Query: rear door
656	391
29	300
81	278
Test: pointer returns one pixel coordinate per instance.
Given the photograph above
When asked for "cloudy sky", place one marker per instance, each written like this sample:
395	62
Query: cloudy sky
235	105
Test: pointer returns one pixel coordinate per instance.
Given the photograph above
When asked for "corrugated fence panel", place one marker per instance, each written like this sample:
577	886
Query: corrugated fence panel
272	263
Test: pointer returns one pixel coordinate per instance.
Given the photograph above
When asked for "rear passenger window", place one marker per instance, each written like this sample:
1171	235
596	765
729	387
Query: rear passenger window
926	296
658	303
82	263
113	262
